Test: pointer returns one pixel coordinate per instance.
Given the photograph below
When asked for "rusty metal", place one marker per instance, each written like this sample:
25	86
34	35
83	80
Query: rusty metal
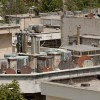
26	70
82	59
10	71
47	69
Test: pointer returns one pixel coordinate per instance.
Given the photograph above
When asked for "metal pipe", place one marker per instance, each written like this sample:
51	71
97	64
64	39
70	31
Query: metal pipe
19	42
32	44
24	42
38	45
35	38
78	35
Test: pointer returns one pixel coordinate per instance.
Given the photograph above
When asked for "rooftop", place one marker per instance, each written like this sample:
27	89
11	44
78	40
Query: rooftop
81	48
56	17
91	36
85	82
8	26
22	15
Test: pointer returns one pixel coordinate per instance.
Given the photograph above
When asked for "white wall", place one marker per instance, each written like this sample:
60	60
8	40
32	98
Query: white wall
5	44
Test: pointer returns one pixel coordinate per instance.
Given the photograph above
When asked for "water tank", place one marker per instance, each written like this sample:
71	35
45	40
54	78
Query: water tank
56	58
65	54
3	65
36	28
44	62
12	61
10	55
22	61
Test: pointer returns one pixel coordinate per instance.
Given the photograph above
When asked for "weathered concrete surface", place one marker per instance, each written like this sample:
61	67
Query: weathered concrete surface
30	83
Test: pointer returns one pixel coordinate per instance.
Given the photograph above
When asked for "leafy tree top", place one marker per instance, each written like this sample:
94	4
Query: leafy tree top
10	91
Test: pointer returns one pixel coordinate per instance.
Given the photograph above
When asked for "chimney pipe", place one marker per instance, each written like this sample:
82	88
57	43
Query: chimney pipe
24	42
32	44
78	35
37	45
19	42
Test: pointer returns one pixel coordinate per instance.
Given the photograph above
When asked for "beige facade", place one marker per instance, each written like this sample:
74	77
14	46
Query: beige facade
70	24
24	20
6	32
54	98
5	44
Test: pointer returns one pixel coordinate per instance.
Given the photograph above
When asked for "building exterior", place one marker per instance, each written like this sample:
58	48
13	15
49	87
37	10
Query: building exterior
6	32
89	26
77	88
23	20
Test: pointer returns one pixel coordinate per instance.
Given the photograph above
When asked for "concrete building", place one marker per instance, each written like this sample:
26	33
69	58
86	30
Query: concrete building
6	32
23	20
73	88
30	84
89	26
93	40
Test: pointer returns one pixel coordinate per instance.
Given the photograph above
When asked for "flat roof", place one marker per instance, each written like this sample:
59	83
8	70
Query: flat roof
81	48
91	36
91	82
22	15
55	17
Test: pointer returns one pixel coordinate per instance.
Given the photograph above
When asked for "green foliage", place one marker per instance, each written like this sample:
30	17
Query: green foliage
10	91
81	4
51	5
13	7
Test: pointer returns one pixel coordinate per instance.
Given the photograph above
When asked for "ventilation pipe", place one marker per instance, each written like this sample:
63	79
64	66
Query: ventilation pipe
24	42
32	44
78	34
19	42
37	40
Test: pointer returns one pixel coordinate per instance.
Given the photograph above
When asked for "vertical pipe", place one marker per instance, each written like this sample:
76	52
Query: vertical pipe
24	42
78	35
35	38
38	45
19	42
32	44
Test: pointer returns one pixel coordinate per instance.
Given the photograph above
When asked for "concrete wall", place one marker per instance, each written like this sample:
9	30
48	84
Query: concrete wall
88	26
9	29
25	21
54	98
68	92
5	44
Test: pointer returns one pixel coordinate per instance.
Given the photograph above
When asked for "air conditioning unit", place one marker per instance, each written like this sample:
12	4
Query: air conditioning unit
36	28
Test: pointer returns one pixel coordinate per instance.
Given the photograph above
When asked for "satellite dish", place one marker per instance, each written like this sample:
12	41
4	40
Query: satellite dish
82	59
88	63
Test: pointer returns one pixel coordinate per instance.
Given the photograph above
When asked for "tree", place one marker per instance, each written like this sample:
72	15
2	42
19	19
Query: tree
13	7
50	5
73	5
10	91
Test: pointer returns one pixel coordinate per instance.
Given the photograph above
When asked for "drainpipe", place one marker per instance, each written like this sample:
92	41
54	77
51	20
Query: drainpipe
78	34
